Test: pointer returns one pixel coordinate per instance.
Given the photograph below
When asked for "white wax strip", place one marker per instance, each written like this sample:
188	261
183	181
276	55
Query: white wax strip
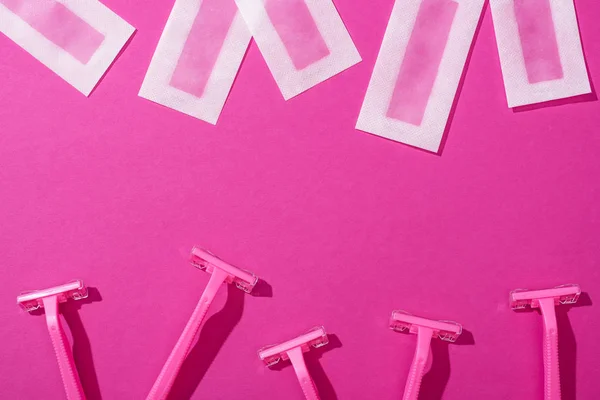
77	39
197	58
304	42
418	69
540	50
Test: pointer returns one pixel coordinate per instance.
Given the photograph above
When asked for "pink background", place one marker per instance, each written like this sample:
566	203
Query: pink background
344	226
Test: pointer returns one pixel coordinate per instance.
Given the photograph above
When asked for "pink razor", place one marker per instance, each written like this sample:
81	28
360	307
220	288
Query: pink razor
294	351
546	300
49	300
426	329
221	272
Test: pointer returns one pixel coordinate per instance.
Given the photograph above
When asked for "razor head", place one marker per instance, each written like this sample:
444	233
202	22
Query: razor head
564	294
204	260
315	338
33	300
401	321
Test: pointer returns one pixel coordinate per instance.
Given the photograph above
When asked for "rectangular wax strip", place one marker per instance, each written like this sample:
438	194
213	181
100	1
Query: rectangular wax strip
540	50
76	39
418	69
299	34
538	40
197	58
303	42
422	60
59	25
203	45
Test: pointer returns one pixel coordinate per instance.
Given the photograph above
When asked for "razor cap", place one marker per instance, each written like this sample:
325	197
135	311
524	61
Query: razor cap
564	294
316	337
32	300
401	321
203	259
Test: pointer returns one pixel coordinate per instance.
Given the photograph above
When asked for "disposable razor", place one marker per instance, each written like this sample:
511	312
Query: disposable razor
425	329
49	299
294	350
546	300
221	272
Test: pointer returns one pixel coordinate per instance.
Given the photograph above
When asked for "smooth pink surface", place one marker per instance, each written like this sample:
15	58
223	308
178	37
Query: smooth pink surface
344	226
203	45
422	60
60	25
298	31
538	40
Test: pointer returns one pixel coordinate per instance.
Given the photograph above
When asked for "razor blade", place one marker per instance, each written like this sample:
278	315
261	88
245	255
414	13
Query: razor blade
33	300
564	294
402	321
204	260
315	338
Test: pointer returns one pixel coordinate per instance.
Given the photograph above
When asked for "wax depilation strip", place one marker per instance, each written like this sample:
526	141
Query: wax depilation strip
197	58
76	39
59	25
203	45
303	42
538	40
540	50
418	69
422	60
297	29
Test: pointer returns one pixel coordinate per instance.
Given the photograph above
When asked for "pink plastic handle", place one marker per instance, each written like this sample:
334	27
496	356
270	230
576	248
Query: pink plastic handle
66	363
165	380
415	375
551	369
306	382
